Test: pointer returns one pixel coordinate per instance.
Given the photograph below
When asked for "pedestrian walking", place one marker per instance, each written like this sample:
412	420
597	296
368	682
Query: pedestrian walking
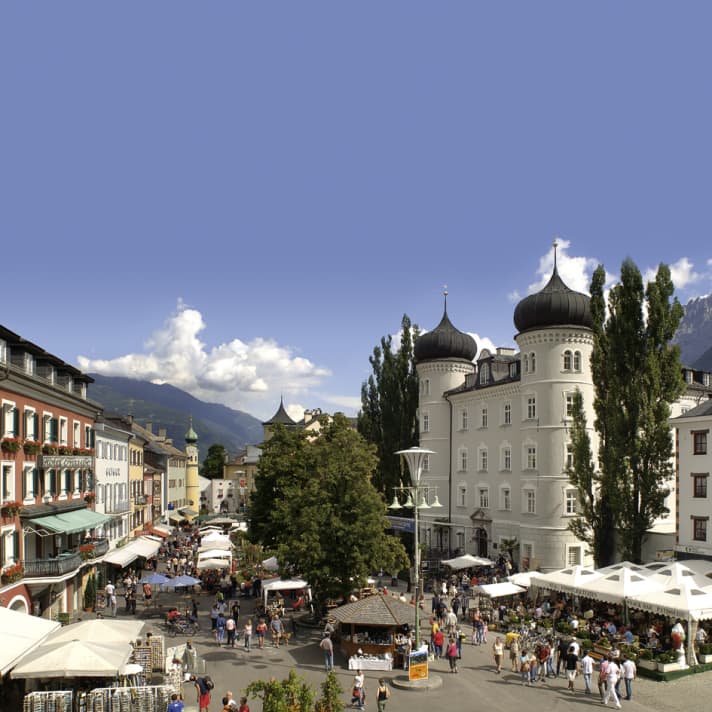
383	695
630	672
247	633
358	693
327	646
612	677
498	654
571	667
451	654
587	671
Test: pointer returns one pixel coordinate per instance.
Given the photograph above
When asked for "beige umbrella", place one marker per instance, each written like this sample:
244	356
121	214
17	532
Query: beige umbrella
74	658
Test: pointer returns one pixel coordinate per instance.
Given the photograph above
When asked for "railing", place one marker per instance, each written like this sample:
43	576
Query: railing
117	507
63	564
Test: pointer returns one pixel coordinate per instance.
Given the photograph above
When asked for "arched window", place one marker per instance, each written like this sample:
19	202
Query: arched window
526	364
577	361
484	373
567	360
532	362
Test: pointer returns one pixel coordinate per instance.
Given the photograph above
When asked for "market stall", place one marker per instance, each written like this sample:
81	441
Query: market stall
369	629
21	633
467	561
273	591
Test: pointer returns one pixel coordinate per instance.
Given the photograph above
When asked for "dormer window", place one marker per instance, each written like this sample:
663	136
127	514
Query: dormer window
484	373
3	351
29	364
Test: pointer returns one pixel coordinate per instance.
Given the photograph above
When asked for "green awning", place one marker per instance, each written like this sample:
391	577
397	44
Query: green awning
78	520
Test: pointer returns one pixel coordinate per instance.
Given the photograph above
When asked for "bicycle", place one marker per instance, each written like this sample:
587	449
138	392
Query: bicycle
184	626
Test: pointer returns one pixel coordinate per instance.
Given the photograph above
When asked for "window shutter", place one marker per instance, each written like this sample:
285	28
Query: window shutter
36	423
53	430
15	422
16	545
35	482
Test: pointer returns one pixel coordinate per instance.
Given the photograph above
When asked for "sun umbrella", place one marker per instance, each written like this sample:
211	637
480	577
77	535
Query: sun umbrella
74	658
181	581
155	579
100	630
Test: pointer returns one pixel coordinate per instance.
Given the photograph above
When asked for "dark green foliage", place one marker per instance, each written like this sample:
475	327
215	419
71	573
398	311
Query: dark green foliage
389	402
90	593
637	375
288	695
315	504
214	462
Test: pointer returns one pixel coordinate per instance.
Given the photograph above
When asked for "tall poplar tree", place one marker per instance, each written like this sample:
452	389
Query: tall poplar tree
389	403
637	375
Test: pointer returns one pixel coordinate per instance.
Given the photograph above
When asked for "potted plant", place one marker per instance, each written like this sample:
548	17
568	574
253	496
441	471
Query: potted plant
86	551
705	653
65	450
50	449
645	659
32	447
10	509
13	573
11	445
667	662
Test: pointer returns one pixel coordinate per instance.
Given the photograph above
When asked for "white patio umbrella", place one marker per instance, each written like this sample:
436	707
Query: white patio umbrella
74	658
619	585
466	561
181	581
573	579
101	630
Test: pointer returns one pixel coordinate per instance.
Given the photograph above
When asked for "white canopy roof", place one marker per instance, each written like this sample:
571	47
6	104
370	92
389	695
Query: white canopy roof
206	545
680	602
278	584
642	570
214	554
466	561
568	580
523	578
21	633
212	564
497	590
677	574
620	584
101	630
142	546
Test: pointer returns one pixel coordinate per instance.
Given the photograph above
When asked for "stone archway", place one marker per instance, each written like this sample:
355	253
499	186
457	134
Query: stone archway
19	604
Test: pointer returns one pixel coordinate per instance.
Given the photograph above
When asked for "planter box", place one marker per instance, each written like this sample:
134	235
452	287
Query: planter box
668	667
704	659
647	664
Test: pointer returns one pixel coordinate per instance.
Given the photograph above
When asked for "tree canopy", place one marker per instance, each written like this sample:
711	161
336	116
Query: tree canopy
316	506
214	462
389	403
636	374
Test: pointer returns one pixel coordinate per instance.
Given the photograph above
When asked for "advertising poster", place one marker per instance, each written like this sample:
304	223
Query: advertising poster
418	668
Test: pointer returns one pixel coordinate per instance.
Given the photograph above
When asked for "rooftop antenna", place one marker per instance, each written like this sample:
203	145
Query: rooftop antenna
445	295
555	245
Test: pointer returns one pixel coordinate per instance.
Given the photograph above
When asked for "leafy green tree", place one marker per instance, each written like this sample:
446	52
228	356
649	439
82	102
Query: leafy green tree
637	375
389	402
293	693
317	506
214	462
593	522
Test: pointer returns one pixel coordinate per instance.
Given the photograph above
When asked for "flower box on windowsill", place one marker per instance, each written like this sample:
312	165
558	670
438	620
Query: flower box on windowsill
50	449
11	445
12	573
32	447
10	509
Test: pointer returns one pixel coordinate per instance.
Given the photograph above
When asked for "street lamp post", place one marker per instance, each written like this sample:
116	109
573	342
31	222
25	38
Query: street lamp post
417	498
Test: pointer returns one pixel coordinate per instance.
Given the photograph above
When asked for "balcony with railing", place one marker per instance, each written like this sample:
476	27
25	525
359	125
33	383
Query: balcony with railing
60	565
117	507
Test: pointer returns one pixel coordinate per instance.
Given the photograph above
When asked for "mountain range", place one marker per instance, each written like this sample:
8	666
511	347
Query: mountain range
171	408
694	335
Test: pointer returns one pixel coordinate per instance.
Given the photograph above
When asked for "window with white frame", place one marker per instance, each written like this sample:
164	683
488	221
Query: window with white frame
460	539
464	419
29	482
568	360
571	502
484	418
513	369
526	363
531	407
532	362
462	495
462	459
569	460
483	459
529	496
88	436
574	555
426	423
8	482
507	458
426	463
47	428
505	498
63	431
76	434
484	373
483	493
426	387
77	481
527	553
577	361
66	482
568	405
507	414
9	540
9	420
530	452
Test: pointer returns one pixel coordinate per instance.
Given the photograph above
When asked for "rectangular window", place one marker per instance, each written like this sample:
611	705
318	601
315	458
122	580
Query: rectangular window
531	407
483	460
426	423
530	501
569	456
571	501
461	496
463	460
574	556
531	457
527	555
699	486
8	483
507	459
484	497
426	463
699	442
484	417
63	431
699	528
569	409
464	420
507	413
506	499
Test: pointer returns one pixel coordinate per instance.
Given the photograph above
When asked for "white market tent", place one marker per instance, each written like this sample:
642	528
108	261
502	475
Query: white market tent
523	578
142	546
613	568
616	587
212	564
21	634
224	544
466	561
702	569
573	579
214	554
272	585
214	537
677	574
498	590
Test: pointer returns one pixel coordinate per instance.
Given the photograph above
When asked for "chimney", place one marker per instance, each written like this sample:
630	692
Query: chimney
162	433
149	427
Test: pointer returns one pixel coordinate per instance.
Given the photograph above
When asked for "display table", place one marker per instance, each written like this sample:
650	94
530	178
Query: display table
356	663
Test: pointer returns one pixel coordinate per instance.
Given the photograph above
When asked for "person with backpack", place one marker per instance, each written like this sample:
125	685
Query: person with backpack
383	695
203	686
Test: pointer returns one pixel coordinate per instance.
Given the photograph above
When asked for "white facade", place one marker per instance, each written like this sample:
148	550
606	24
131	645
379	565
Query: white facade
694	464
111	473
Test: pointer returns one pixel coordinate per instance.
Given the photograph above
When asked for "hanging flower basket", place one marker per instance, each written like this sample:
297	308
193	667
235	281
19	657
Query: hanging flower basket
86	551
10	509
13	573
10	444
32	447
89	497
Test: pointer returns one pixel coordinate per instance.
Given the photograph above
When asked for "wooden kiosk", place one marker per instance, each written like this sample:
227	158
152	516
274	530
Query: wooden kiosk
371	625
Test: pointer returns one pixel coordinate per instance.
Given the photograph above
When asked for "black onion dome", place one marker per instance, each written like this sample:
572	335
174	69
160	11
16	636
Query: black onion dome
445	341
555	305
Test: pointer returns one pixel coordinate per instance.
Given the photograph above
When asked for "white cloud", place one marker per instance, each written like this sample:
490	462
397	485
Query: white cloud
514	296
575	271
248	376
483	342
682	273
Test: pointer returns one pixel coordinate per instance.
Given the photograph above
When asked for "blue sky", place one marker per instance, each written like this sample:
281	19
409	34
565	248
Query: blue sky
242	198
